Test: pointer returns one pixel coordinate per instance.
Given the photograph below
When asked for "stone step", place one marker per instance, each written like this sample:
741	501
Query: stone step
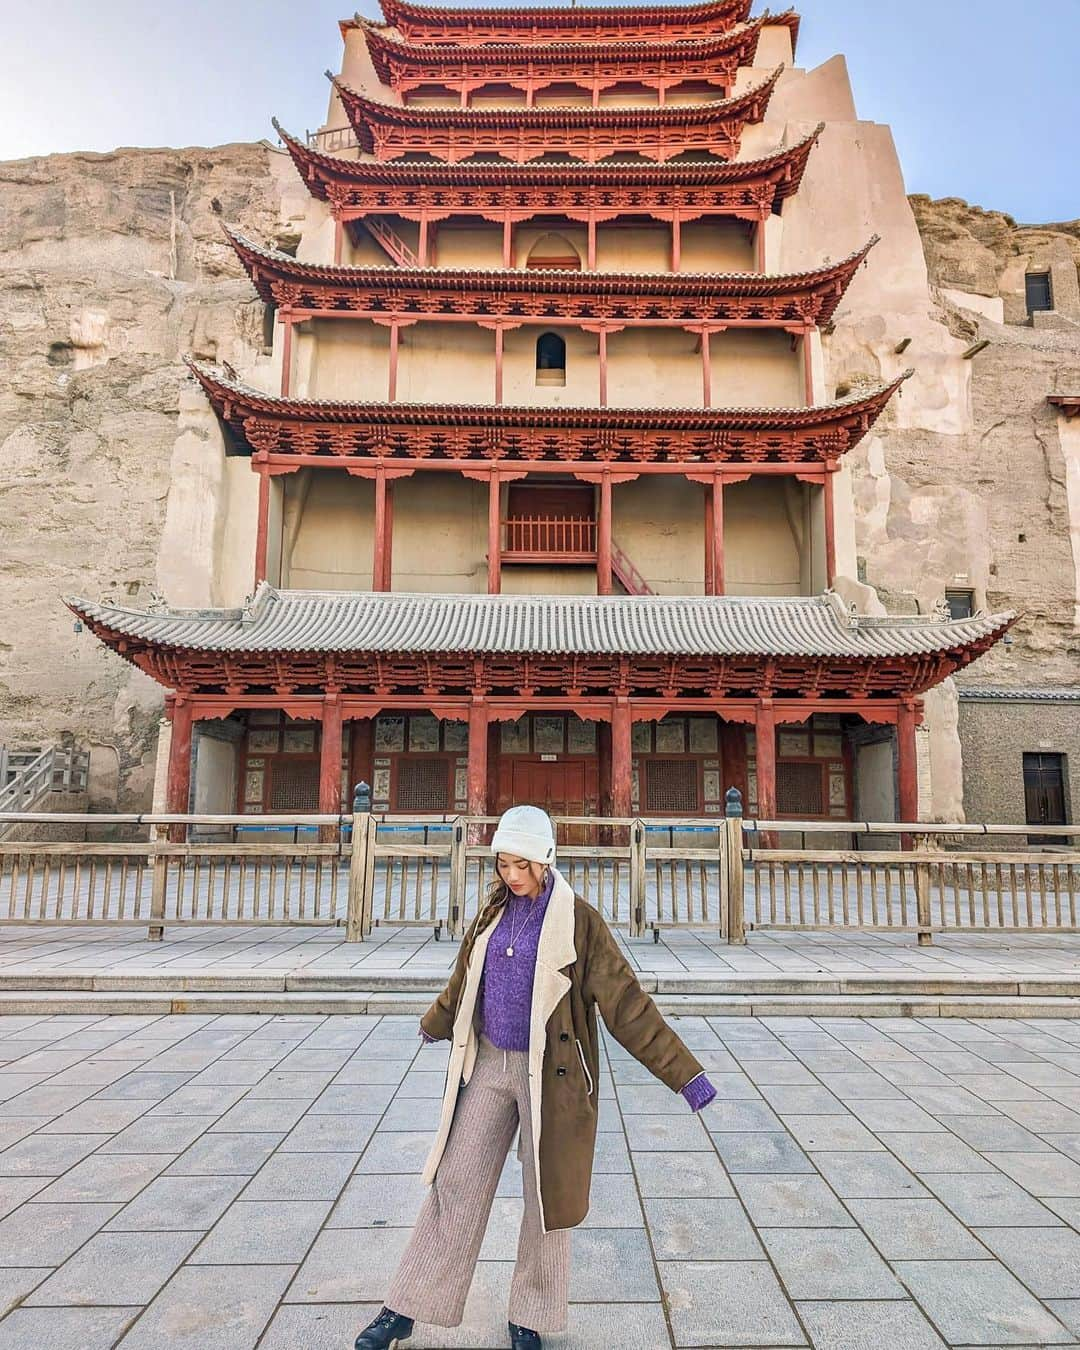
174	980
82	1002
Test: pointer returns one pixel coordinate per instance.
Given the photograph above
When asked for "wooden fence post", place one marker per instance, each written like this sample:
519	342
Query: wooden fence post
637	878
458	862
733	879
158	888
361	875
921	867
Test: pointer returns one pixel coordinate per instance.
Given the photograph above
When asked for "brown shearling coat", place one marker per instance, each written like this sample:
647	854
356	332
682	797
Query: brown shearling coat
579	969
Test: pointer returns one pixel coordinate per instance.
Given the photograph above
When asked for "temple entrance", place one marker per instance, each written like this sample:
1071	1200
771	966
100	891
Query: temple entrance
558	788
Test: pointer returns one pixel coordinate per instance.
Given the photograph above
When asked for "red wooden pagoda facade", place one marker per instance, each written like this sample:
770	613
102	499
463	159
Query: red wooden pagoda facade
612	699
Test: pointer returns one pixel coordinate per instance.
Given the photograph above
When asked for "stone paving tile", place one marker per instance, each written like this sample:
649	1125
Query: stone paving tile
940	1152
378	1201
743	1151
681	1176
815	1263
731	1304
332	1134
867	1175
333	1271
791	1202
1040	1173
834	1132
301	1176
701	1230
231	1154
177	1203
211	1308
988	1198
612	1264
115	1269
838	1325
17	1282
254	1231
914	1230
46	1235
64	1328
980	1303
1047	1260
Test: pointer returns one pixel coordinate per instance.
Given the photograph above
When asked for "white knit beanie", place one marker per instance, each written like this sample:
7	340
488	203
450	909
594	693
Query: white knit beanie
525	832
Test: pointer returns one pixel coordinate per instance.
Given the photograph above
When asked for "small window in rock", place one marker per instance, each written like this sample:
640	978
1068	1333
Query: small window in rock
961	604
1039	291
550	359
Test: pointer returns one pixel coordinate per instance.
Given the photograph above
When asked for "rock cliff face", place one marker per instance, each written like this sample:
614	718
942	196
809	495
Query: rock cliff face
111	268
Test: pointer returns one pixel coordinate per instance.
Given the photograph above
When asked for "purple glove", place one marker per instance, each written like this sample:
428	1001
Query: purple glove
699	1092
428	1040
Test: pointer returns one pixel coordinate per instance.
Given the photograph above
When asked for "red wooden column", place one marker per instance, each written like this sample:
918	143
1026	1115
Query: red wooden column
339	241
494	534
262	527
591	258
178	789
706	370
808	370
710	542
716	498
381	570
478	756
603	539
620	757
391	383
330	764
423	241
286	356
508	242
765	726
907	772
603	367
676	242
498	363
759	245
828	508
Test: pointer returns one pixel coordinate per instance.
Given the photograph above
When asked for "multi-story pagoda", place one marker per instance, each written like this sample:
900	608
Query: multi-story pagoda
546	467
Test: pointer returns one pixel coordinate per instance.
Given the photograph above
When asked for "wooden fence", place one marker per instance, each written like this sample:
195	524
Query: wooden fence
644	876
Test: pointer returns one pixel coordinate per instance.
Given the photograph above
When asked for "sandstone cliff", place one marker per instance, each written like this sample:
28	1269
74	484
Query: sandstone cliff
111	267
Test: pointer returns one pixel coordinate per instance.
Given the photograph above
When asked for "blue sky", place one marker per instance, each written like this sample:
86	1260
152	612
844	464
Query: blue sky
982	95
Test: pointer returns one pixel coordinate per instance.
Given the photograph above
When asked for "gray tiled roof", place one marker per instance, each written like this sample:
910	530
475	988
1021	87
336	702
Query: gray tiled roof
998	694
282	620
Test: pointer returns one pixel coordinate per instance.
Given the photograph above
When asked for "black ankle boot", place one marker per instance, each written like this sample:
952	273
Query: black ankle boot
388	1330
521	1338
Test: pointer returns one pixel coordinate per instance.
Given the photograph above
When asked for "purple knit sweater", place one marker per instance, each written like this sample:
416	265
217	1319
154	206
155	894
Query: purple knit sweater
505	997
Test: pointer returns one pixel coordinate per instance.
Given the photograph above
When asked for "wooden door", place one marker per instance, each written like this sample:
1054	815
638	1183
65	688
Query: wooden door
558	787
1044	794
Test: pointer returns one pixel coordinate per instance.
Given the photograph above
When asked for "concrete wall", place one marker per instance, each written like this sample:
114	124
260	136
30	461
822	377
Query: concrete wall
995	736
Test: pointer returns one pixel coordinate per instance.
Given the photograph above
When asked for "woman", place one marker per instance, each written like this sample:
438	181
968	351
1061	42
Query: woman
520	1010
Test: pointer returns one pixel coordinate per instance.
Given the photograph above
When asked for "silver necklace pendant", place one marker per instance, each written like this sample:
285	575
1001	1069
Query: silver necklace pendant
509	951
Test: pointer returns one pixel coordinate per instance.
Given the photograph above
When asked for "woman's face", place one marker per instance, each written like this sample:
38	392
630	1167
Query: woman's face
522	876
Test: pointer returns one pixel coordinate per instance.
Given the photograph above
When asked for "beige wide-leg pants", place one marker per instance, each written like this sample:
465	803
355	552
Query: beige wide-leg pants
437	1267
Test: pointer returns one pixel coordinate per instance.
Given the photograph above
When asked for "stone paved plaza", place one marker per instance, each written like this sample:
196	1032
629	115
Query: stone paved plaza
239	1181
413	951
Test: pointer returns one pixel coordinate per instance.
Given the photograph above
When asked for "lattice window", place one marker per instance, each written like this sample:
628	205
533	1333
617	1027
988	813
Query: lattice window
294	785
671	786
799	790
422	785
1038	291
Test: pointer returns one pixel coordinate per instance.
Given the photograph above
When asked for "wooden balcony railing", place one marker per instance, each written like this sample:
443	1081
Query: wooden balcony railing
549	539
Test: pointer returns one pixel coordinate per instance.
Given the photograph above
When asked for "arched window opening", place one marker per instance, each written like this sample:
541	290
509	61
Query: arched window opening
550	359
553	251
